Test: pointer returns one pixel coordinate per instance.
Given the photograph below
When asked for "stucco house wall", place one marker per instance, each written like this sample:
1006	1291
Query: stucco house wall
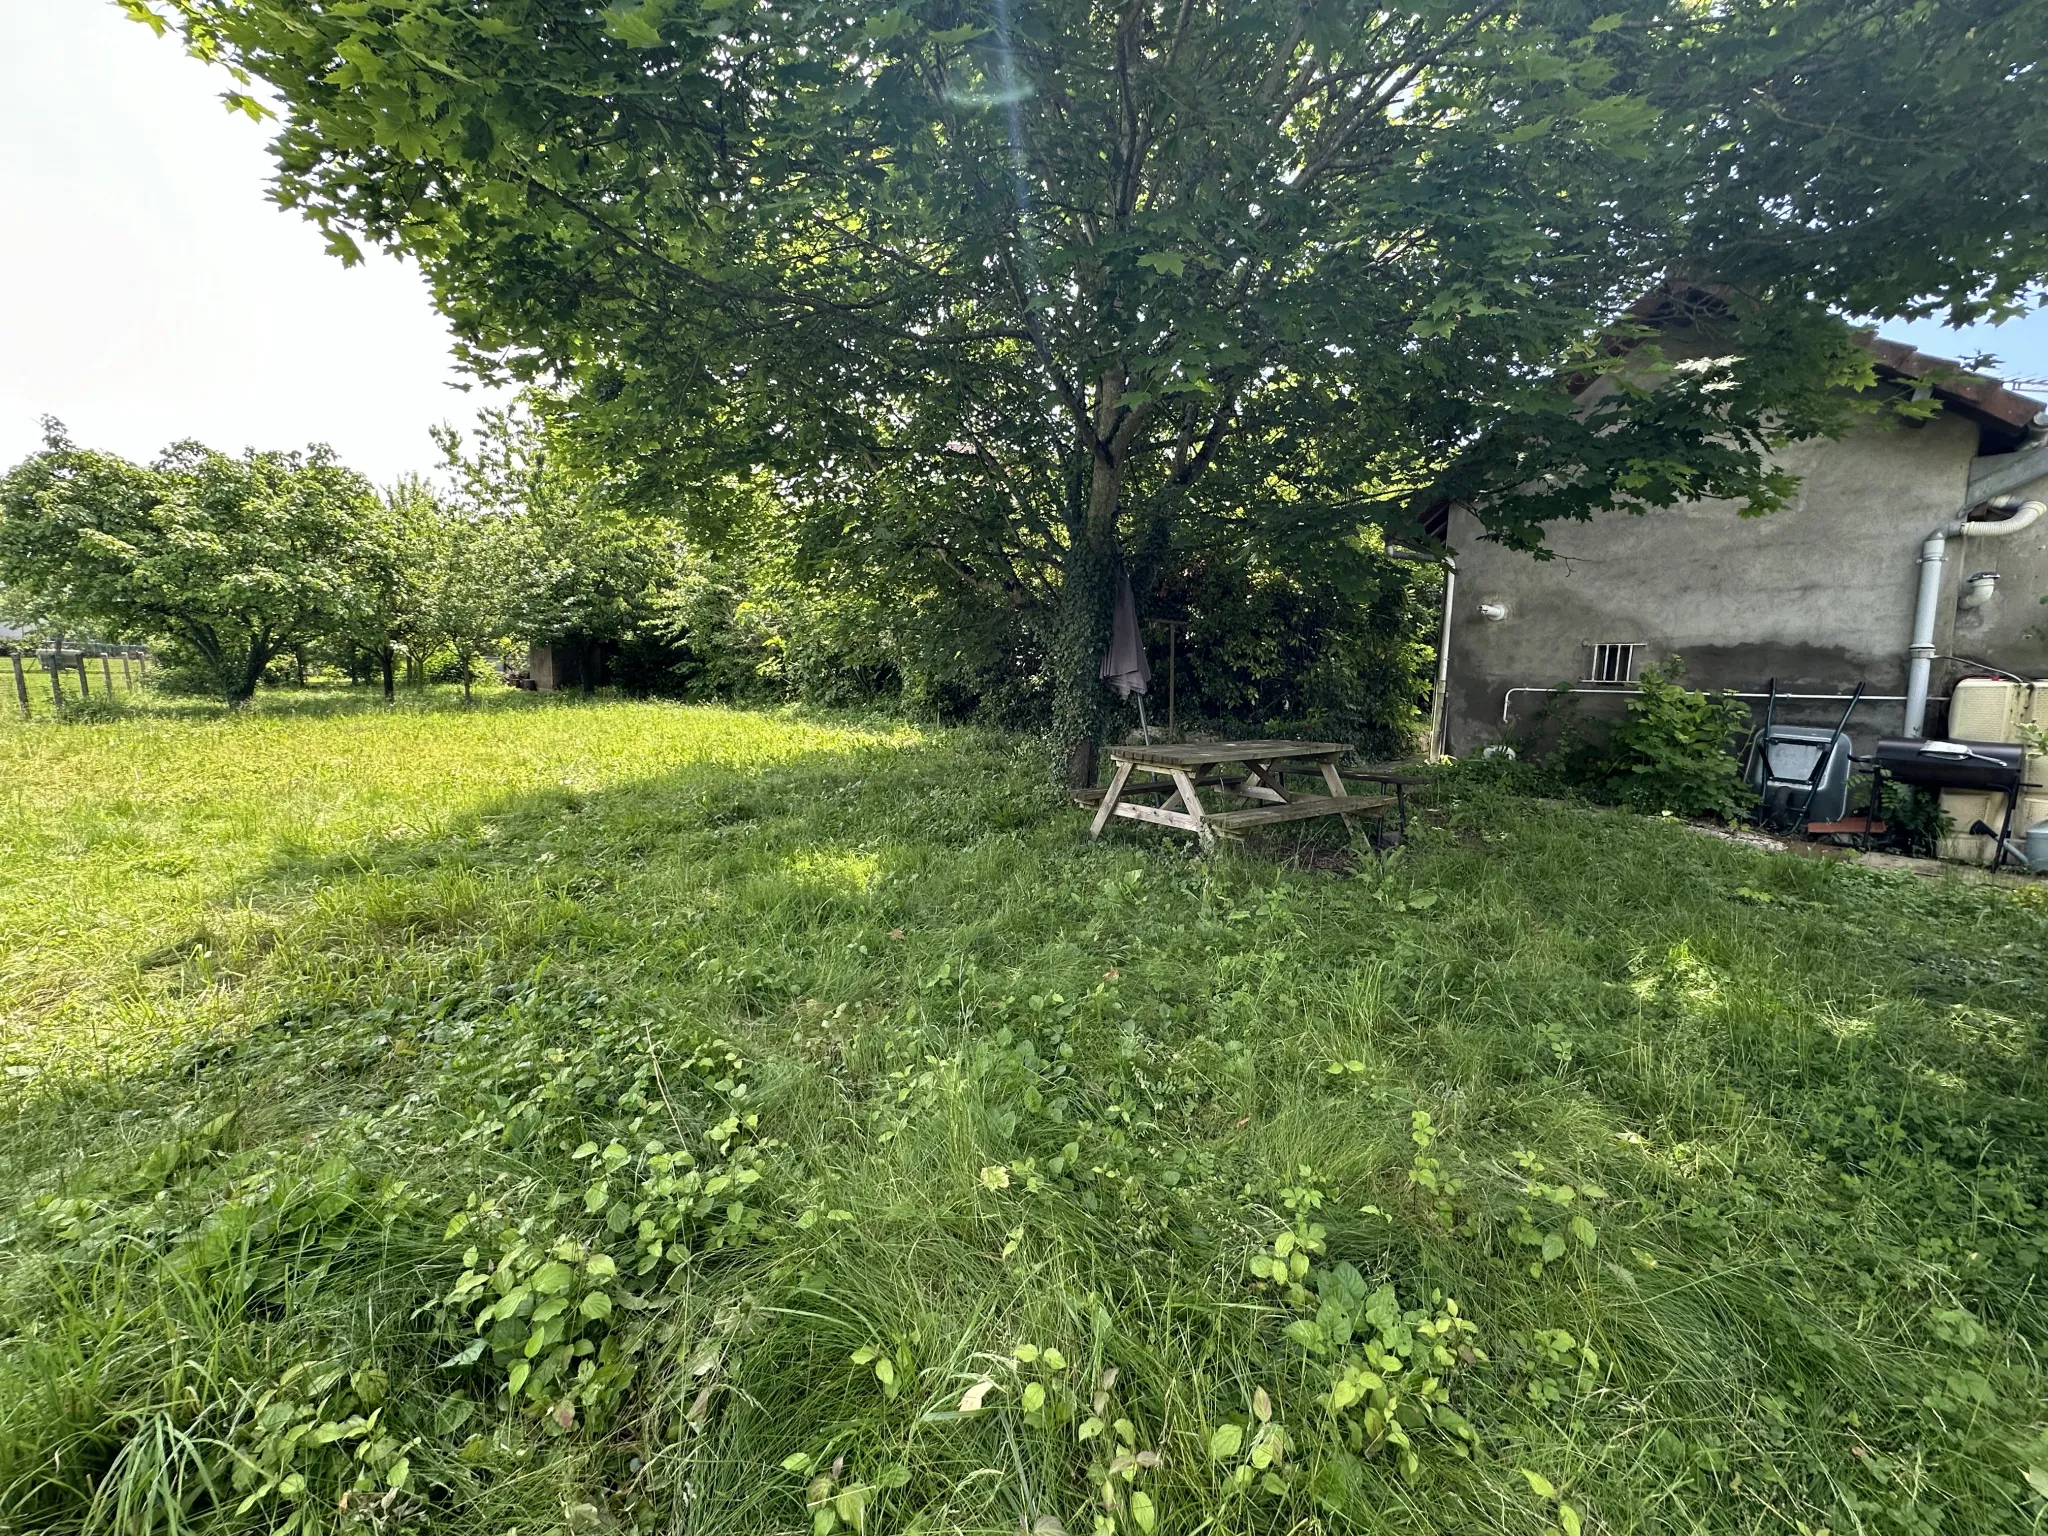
1820	594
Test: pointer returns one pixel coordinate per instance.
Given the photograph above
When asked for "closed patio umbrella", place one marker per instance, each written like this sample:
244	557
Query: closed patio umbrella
1124	666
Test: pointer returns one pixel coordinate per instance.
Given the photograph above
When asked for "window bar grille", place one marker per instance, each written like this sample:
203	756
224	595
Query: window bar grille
1612	661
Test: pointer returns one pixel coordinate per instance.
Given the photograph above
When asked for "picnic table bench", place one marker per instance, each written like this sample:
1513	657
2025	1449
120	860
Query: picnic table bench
1253	770
1400	778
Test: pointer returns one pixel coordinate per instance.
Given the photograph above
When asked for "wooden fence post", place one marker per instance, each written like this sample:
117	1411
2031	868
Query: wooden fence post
107	673
83	691
20	681
127	677
56	665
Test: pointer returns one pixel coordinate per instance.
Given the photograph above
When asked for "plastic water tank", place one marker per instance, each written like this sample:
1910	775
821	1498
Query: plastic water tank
1986	709
1993	709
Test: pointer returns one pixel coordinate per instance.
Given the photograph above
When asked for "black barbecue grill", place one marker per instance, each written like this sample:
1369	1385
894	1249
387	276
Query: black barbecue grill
1993	767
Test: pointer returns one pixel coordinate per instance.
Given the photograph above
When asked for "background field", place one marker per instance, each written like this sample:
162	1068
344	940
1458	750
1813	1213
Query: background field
633	1117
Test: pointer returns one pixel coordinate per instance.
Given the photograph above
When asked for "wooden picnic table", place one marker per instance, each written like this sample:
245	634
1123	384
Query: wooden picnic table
1254	770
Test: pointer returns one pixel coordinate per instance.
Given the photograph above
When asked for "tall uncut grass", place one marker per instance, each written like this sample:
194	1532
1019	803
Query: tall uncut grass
613	1117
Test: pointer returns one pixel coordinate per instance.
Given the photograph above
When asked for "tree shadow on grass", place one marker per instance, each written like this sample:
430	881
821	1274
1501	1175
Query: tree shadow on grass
320	702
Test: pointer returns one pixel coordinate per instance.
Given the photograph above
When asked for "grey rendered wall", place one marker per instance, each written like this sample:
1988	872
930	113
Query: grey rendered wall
1820	594
2012	630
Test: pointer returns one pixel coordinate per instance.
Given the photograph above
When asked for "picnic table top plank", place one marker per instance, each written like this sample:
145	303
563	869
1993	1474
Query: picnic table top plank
1200	754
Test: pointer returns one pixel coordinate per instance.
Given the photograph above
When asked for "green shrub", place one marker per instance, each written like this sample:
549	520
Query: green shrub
1917	821
1673	751
1269	652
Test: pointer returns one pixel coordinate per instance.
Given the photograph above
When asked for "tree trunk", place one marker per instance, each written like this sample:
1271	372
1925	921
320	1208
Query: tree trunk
242	689
1087	596
299	665
589	655
390	681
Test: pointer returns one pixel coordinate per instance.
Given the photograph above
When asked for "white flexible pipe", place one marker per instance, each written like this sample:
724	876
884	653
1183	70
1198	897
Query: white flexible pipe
2024	515
1933	556
1507	702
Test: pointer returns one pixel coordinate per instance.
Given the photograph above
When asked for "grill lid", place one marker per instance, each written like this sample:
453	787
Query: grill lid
1996	765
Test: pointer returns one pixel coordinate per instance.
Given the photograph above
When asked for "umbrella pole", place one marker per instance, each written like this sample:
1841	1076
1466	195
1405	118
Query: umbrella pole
1147	729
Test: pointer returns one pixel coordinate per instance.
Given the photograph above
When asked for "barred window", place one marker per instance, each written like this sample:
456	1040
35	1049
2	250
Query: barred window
1612	661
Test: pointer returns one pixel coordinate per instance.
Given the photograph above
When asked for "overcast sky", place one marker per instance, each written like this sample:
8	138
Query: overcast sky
149	290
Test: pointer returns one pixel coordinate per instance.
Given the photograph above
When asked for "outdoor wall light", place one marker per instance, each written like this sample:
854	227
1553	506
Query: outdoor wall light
1493	611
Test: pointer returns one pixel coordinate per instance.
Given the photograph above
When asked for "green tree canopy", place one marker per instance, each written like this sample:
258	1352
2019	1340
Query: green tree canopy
236	559
580	562
386	566
468	585
1020	290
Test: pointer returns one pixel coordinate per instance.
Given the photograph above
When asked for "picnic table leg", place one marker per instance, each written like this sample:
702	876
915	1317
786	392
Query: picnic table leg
1172	800
1262	782
1110	796
1335	780
1193	802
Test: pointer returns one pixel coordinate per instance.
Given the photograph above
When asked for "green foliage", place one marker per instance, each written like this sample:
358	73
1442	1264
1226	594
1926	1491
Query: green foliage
1005	293
468	578
1673	751
234	561
752	621
1913	815
809	1114
389	556
578	564
1255	653
1268	653
238	570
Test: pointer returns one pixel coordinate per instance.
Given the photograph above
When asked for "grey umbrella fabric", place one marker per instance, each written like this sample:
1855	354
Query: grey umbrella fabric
1124	666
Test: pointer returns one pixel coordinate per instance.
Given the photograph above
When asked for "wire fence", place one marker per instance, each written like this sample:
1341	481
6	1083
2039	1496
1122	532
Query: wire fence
75	671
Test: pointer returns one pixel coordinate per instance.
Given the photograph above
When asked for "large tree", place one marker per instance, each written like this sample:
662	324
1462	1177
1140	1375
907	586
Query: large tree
579	567
468	585
386	566
235	560
1028	289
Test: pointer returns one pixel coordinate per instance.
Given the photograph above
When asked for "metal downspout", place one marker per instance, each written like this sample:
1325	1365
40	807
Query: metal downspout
1920	654
1438	714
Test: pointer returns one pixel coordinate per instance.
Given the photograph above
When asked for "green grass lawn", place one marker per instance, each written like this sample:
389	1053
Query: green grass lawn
560	1117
